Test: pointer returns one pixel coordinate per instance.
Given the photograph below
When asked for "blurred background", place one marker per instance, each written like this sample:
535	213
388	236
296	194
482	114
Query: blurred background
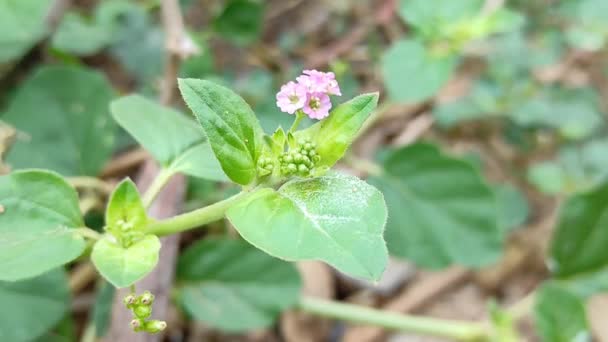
517	90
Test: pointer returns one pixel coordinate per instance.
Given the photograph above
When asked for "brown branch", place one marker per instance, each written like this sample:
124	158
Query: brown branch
178	46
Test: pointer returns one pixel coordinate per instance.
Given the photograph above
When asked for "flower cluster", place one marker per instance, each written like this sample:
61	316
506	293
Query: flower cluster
142	309
300	160
310	94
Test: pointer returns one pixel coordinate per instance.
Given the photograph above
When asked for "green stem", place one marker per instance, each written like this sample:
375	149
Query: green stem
89	233
456	330
195	218
157	185
296	121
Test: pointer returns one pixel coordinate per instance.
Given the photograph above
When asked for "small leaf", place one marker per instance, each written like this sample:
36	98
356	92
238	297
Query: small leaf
578	253
223	279
411	74
334	135
36	235
430	16
230	125
174	140
125	207
336	218
22	23
66	122
34	306
440	210
560	316
124	266
80	36
513	207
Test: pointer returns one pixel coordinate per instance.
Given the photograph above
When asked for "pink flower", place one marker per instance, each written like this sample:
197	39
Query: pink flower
320	82
291	97
317	106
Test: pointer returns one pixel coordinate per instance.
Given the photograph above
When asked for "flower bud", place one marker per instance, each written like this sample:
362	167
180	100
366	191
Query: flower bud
155	326
302	169
137	325
129	301
146	298
142	311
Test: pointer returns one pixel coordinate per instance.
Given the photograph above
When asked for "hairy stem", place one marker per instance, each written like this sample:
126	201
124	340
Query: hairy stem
456	330
195	218
157	185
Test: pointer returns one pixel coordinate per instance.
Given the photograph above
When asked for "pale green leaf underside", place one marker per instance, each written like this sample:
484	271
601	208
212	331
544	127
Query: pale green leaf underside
124	266
174	140
440	210
336	218
223	279
36	235
32	307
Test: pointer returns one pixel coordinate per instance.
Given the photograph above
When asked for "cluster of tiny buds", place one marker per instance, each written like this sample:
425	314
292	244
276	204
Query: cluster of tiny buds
265	166
141	306
300	160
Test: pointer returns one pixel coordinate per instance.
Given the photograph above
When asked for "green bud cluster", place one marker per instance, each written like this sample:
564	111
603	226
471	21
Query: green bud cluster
265	166
141	306
126	233
300	160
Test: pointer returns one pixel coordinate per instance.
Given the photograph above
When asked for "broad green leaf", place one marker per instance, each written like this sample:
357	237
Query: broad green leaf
240	21
412	74
32	307
80	36
63	111
232	286
336	218
578	255
334	135
125	206
174	140
441	212
124	266
513	207
560	316
22	23
36	225
483	102
230	125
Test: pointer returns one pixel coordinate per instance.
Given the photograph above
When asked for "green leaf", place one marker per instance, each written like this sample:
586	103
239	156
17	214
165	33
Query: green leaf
63	112
230	125
430	17
240	21
102	309
336	218
222	279
22	23
412	74
560	316
32	307
578	254
334	135
125	207
80	36
175	141
441	212
124	266
36	235
513	207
